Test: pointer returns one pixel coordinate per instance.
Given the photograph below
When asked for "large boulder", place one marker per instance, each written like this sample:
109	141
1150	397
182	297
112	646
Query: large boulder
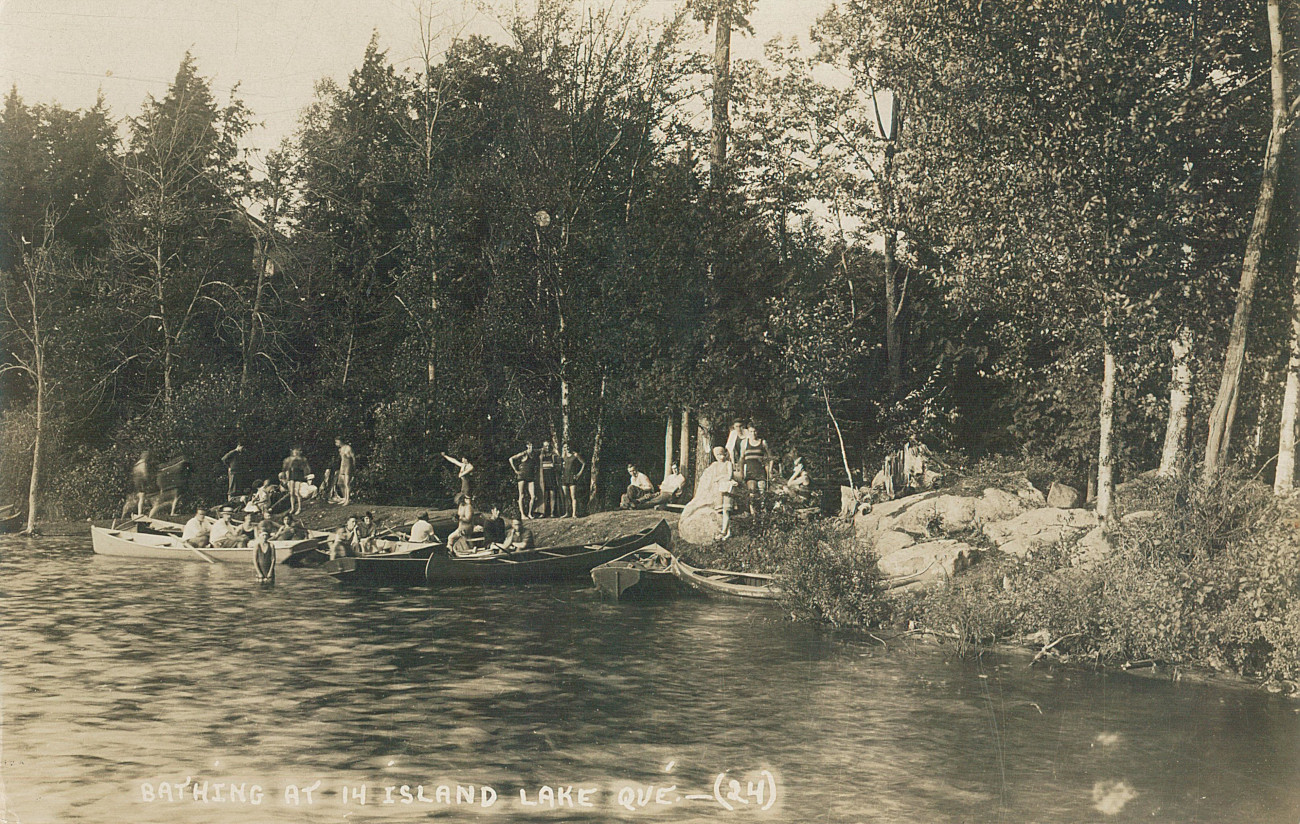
932	560
890	541
998	505
1092	548
1039	527
1061	496
886	515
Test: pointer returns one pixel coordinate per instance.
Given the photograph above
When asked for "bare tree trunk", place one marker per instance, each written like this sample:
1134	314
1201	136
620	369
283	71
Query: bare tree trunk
668	445
596	444
1105	449
1284	480
684	444
1216	448
893	343
843	452
38	361
721	100
265	270
703	447
1174	455
166	327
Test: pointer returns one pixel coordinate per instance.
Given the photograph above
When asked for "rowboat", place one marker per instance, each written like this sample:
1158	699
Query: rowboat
387	541
722	582
150	526
640	573
122	543
11	520
541	564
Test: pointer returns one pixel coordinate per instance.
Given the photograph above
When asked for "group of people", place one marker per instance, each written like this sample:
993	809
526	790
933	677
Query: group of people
551	475
475	533
641	493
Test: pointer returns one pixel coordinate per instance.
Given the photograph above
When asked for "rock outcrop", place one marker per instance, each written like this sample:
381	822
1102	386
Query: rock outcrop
1061	496
928	561
1038	528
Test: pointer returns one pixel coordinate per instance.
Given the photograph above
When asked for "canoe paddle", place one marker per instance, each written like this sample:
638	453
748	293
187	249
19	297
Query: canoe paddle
205	556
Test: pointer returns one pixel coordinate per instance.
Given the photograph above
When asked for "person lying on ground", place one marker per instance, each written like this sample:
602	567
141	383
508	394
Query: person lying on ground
639	488
197	529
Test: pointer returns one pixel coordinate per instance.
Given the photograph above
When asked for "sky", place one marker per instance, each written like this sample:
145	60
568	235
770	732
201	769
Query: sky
67	51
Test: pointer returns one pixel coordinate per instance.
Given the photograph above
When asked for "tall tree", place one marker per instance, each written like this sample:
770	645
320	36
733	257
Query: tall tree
1225	402
183	178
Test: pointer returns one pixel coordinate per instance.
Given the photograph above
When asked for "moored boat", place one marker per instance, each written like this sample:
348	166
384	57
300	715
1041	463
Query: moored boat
11	520
722	582
120	543
644	572
540	564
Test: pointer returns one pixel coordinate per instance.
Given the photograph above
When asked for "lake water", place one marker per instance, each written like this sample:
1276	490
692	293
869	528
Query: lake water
120	677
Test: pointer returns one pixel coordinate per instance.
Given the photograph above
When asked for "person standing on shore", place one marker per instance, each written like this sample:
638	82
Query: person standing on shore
347	462
571	466
234	461
756	458
524	465
142	479
464	469
295	470
550	485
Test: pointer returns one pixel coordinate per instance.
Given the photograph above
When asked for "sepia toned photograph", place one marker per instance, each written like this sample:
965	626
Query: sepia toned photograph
809	411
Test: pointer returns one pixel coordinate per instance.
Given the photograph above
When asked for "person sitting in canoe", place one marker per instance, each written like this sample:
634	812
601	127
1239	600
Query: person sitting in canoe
367	532
493	526
247	529
264	553
197	529
290	530
345	541
458	543
224	532
518	538
421	530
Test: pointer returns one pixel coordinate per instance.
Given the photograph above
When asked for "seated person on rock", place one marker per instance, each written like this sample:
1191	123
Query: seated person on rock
639	489
798	485
669	490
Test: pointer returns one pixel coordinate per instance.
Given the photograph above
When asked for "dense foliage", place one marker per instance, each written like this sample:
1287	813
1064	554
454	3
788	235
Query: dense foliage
515	241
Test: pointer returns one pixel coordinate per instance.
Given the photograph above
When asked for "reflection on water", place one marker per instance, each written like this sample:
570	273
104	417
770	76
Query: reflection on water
119	676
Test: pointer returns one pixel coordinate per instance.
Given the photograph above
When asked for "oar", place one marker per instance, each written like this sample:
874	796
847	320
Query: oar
205	556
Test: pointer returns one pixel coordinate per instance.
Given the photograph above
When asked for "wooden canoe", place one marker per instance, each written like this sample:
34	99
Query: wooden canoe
388	541
541	564
641	573
10	520
126	544
722	582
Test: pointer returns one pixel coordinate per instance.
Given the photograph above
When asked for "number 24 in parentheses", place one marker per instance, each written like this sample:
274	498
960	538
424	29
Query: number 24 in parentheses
763	791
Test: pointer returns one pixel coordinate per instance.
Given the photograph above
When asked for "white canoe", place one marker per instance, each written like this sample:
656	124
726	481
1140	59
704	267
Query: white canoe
126	544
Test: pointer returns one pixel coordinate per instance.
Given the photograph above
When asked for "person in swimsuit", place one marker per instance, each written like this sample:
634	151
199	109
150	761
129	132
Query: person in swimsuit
264	554
550	485
464	469
345	541
295	471
343	480
755	457
142	481
524	465
572	466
